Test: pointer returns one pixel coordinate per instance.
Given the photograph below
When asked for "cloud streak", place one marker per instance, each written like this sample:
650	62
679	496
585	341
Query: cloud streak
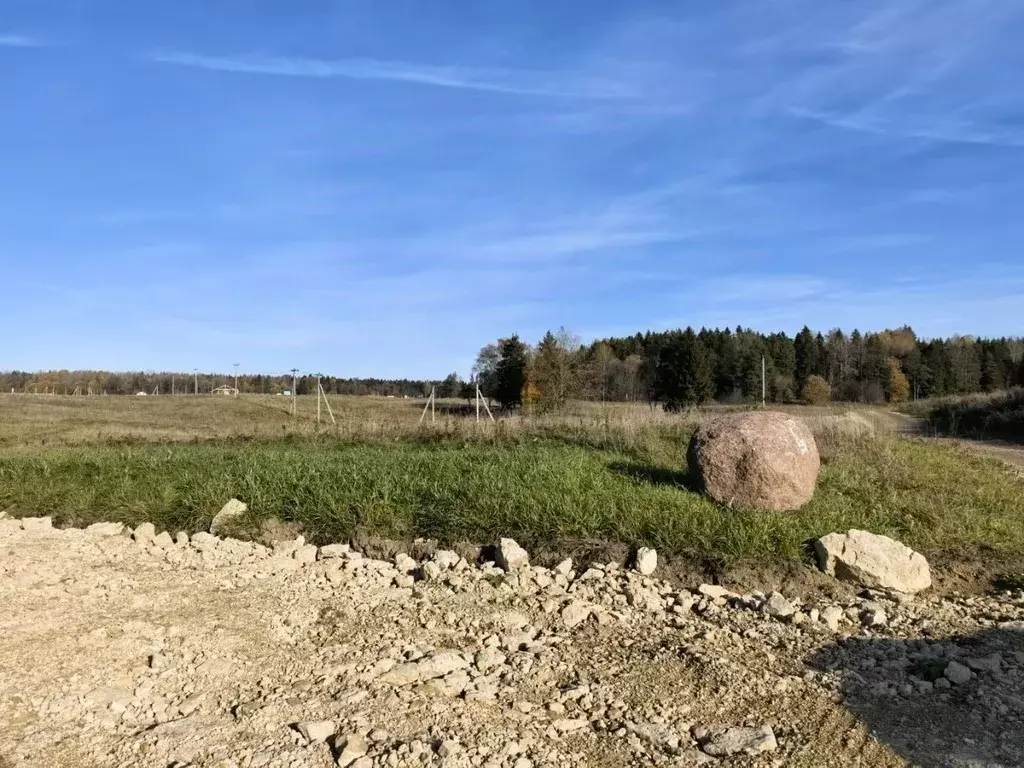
906	128
19	41
513	82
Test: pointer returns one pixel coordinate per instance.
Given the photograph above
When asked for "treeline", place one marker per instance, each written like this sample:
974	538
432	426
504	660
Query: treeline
166	383
687	367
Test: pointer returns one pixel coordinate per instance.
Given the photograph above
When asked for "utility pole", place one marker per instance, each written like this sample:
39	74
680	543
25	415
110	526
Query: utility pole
172	383
318	399
236	378
763	385
295	392
195	374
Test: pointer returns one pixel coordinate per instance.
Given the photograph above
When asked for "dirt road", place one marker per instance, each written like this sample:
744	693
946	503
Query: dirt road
211	652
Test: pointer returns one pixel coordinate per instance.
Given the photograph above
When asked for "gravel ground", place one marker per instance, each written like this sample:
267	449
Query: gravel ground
138	649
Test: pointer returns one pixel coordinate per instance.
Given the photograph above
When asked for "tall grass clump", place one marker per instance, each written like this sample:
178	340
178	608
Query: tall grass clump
998	416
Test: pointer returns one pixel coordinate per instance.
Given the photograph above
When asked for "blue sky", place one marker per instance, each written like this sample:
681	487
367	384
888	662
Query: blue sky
370	188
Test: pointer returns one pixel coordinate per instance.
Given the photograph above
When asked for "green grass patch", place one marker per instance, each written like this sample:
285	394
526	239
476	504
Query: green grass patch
542	488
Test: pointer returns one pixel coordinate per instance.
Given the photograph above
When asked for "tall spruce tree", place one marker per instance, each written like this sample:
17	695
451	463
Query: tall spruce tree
683	375
510	372
806	349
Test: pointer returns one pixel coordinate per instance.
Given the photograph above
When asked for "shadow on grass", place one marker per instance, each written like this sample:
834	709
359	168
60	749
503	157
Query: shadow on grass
890	683
652	475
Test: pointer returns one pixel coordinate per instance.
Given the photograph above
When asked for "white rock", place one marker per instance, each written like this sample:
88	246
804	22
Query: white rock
234	508
448	748
875	561
163	540
832	615
646	560
488	659
429	668
305	554
334	550
778	606
36	523
957	673
404	563
317	730
714	591
510	556
446	559
352	749
203	541
144	533
105	529
576	613
874	617
430	571
569	724
564	567
723	742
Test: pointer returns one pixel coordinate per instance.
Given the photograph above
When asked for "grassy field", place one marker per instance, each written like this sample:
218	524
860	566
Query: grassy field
613	472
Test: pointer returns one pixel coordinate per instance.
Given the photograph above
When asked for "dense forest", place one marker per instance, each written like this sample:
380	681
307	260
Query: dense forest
677	368
685	367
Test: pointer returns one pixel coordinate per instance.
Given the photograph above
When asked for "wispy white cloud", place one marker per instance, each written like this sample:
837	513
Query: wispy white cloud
907	127
516	82
20	41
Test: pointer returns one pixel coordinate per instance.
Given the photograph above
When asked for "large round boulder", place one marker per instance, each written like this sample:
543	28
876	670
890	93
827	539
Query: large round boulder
762	459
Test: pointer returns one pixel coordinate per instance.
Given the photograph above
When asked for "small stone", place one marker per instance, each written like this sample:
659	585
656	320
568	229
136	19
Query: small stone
569	724
317	730
564	568
510	556
448	748
576	613
181	539
831	616
163	540
874	617
404	563
105	529
144	533
957	673
646	560
446	559
350	749
429	668
305	554
714	591
778	606
430	571
488	659
333	550
36	523
222	520
723	742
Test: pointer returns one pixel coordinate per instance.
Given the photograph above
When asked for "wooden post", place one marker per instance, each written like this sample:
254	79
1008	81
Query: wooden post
429	406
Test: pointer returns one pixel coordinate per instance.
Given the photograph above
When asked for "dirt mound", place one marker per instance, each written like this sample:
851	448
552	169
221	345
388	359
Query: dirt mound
762	459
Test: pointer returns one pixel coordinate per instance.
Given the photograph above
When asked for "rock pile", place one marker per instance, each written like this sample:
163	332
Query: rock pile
151	649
